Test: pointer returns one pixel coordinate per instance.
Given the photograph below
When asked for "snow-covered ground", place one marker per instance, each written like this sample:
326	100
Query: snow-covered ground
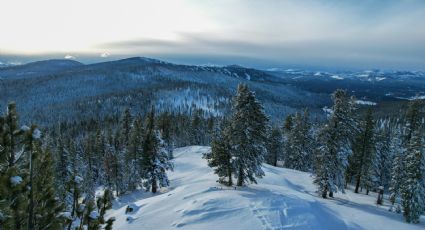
283	199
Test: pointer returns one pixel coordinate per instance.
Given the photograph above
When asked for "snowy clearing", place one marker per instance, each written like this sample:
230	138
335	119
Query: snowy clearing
283	199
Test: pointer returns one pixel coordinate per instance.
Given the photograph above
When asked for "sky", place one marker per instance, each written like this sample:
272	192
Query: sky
338	34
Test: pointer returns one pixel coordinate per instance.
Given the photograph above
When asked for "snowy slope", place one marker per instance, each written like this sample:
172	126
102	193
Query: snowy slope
283	199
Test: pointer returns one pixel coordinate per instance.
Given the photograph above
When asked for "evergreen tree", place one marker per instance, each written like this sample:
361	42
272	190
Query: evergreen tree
363	153
274	147
155	160
166	133
196	132
248	131
220	158
335	145
381	167
397	166
135	154
47	208
413	187
299	143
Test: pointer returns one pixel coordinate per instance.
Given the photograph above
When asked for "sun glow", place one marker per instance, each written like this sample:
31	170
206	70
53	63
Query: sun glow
31	27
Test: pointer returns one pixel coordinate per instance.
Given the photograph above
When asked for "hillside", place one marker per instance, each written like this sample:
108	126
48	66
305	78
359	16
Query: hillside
283	199
68	90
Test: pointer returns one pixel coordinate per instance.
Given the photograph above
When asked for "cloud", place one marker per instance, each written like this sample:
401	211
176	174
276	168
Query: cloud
69	57
105	55
334	33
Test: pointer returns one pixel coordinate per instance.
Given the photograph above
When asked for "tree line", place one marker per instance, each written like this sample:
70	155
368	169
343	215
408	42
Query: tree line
66	175
345	151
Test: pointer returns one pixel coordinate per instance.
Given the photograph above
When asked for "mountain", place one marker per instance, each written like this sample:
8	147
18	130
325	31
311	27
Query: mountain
83	91
39	68
283	199
52	90
375	85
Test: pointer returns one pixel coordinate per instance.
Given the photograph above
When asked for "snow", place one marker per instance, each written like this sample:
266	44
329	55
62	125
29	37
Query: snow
283	199
337	77
78	179
15	180
248	77
36	134
25	128
94	215
66	215
362	102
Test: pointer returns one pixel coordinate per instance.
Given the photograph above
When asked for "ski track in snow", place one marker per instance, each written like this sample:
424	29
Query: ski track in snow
283	199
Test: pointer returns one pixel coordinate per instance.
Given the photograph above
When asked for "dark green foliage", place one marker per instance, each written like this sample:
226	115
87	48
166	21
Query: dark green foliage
363	153
248	132
155	161
274	147
220	159
334	142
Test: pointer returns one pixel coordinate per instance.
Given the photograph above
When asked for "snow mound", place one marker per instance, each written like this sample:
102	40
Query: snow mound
283	199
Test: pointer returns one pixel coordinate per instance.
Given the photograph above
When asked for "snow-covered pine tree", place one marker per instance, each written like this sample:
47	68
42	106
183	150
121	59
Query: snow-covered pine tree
47	206
398	151
196	131
126	124
104	203
155	161
135	153
166	132
274	147
381	165
299	143
335	145
248	132
14	173
413	186
363	153
220	157
286	132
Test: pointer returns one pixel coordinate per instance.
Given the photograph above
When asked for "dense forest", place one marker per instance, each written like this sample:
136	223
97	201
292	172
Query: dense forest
66	175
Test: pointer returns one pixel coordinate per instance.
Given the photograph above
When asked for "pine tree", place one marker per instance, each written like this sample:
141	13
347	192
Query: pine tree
166	133
397	166
196	132
335	145
135	154
220	158
248	131
413	187
104	203
125	127
274	147
381	165
299	143
363	153
286	133
155	160
47	208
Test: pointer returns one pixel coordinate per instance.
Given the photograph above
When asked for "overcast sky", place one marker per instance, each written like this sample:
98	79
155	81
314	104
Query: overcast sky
339	34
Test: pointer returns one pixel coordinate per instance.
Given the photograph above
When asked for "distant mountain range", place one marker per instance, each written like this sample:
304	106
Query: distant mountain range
68	90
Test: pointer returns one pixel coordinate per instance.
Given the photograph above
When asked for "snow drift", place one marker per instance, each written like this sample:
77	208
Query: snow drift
283	199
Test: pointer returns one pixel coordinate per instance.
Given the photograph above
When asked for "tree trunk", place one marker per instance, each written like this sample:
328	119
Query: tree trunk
325	192
240	177
154	186
229	174
31	205
331	194
357	184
